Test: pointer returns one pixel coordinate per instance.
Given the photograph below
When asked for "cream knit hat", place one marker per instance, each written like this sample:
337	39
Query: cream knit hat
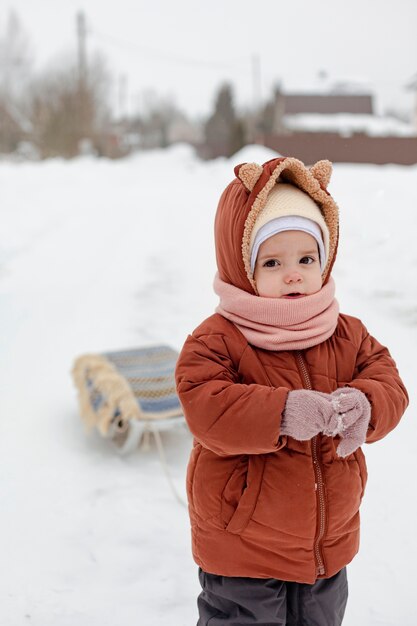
285	200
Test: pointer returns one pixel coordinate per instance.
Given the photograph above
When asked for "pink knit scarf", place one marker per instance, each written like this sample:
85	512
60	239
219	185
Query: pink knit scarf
280	324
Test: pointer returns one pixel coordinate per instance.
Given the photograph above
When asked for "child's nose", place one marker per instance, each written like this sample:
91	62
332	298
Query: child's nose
293	277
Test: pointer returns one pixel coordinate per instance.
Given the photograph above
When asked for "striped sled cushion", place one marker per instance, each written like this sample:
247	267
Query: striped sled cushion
123	393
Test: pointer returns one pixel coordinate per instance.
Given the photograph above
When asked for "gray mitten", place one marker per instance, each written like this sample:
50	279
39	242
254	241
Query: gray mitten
307	413
353	413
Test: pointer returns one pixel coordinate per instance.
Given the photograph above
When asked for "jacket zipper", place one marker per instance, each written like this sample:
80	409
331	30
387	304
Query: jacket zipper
318	475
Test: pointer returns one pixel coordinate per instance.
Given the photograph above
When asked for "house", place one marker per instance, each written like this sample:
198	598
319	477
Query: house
335	120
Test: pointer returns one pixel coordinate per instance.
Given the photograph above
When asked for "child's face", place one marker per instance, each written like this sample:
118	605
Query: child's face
288	266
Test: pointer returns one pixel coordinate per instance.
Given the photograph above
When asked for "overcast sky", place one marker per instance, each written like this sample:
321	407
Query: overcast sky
184	49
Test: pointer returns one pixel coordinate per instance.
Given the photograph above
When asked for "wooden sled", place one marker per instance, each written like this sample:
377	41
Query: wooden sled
128	394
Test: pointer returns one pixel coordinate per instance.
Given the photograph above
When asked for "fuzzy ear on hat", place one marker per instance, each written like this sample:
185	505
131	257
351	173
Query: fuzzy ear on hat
248	174
322	171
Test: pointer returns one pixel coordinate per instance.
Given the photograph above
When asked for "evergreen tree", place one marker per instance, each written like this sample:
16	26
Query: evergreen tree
224	131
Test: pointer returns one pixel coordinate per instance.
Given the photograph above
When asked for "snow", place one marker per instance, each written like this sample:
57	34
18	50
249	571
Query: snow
254	154
349	123
98	255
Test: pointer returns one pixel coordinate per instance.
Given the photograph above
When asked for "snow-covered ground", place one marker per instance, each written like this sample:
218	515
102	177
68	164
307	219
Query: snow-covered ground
98	255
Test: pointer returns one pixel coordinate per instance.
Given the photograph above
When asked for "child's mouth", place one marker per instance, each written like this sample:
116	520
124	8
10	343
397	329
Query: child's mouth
293	295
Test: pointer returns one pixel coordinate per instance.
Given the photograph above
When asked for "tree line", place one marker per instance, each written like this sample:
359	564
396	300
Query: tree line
64	110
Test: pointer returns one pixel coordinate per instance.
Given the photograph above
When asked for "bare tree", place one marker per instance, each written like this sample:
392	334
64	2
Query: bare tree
15	67
65	115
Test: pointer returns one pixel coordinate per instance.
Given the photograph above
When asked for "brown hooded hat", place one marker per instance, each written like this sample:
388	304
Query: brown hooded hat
244	198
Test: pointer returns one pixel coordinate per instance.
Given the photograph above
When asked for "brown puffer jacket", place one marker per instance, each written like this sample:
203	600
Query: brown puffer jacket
264	505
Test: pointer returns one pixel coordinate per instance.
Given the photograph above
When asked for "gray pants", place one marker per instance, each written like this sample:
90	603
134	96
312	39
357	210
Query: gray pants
227	601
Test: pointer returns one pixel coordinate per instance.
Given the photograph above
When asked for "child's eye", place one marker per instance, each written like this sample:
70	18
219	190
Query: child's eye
271	263
307	260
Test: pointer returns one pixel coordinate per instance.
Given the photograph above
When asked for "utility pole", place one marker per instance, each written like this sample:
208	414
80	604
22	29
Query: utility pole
122	97
81	39
82	74
256	80
256	93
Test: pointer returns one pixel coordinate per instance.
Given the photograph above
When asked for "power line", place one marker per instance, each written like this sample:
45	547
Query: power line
81	46
166	57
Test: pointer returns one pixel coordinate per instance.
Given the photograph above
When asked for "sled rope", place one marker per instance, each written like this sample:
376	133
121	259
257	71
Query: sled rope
164	463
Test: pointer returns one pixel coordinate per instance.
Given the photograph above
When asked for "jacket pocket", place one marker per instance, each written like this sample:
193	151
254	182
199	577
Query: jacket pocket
241	493
363	472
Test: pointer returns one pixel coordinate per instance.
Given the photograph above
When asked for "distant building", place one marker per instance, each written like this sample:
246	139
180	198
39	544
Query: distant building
357	104
160	131
333	111
335	120
184	130
348	124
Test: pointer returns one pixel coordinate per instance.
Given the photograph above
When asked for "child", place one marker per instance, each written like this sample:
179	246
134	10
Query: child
280	391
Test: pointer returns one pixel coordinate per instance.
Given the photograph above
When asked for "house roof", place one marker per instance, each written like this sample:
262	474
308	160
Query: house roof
347	124
297	103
